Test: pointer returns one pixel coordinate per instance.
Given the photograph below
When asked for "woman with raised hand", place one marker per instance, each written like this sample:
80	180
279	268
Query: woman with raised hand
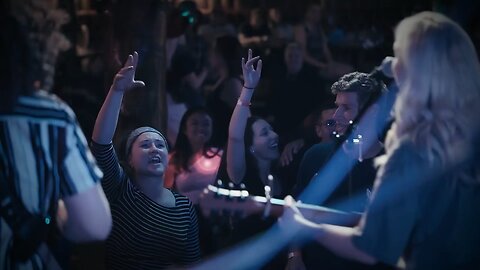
425	208
153	227
252	157
252	149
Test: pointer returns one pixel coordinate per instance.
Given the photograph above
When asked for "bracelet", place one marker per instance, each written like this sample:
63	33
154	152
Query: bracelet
243	103
248	88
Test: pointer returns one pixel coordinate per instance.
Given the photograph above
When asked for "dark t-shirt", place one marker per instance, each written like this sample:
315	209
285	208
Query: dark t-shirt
423	212
358	177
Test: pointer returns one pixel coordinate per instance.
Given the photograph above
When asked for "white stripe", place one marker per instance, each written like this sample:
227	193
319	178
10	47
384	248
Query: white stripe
13	118
75	165
24	161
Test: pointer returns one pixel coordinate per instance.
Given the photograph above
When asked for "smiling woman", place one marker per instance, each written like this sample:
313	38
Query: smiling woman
251	158
194	161
153	227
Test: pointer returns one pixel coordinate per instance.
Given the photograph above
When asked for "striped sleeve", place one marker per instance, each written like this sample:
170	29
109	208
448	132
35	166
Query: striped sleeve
192	247
78	166
113	173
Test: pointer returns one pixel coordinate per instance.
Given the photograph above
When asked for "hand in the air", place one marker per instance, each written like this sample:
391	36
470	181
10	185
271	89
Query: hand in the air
124	80
251	75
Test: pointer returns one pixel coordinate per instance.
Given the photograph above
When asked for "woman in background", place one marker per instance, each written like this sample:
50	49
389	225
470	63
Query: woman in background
193	161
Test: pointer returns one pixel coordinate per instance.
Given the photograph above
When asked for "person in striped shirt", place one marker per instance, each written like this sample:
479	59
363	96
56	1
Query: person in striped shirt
44	157
153	227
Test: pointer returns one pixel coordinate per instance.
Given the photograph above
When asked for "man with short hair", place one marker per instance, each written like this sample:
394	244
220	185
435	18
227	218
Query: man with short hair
356	94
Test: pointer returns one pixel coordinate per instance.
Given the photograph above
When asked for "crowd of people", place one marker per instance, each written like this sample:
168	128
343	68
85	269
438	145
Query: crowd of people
396	147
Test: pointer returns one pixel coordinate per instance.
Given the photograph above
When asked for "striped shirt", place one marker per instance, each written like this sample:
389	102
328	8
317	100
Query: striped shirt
44	155
145	235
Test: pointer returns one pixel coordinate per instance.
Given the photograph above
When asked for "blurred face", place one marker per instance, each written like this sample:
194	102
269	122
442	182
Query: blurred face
274	15
256	20
294	60
323	129
347	110
198	128
148	156
313	14
265	141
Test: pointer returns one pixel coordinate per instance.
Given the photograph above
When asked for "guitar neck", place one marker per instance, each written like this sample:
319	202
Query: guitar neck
216	199
312	212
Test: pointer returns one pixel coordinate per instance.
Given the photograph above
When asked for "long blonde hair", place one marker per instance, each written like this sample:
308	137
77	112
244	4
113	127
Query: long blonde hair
439	97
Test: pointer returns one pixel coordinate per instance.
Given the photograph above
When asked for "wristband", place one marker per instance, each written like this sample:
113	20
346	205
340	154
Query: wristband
249	88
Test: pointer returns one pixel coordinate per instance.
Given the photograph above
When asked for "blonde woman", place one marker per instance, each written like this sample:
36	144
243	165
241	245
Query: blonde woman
425	210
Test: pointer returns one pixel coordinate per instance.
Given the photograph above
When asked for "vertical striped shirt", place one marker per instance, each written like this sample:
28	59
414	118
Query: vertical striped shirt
145	234
44	156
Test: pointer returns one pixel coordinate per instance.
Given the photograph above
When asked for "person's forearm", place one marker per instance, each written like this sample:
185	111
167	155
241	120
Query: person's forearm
235	147
338	239
240	115
107	118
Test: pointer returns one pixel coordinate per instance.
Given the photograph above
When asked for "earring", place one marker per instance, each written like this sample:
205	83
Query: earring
252	150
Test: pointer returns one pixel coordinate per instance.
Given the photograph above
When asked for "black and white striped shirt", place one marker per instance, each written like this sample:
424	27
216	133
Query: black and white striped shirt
145	235
44	155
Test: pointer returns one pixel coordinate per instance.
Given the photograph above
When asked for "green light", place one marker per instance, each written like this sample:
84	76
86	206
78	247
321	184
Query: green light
47	220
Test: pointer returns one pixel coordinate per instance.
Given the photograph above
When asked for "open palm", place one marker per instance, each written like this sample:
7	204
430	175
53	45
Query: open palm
125	78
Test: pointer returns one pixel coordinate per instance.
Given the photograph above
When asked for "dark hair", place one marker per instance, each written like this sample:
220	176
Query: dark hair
250	160
369	90
252	170
360	83
27	28
317	113
182	151
21	65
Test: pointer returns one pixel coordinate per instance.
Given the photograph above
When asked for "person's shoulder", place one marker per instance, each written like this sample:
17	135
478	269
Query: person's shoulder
45	101
405	155
406	149
181	201
322	148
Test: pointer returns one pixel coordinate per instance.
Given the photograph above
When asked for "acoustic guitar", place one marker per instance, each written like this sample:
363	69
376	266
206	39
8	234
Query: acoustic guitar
222	201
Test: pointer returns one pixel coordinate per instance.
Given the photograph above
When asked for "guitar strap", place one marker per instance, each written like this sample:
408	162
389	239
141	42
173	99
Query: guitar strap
29	230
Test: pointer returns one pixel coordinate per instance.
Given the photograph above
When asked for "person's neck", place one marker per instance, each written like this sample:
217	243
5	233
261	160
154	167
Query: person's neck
197	152
153	188
197	148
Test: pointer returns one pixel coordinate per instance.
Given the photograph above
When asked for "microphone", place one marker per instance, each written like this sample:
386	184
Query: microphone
383	72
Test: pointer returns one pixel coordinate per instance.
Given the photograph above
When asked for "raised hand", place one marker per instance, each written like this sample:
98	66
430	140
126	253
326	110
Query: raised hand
125	78
251	75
